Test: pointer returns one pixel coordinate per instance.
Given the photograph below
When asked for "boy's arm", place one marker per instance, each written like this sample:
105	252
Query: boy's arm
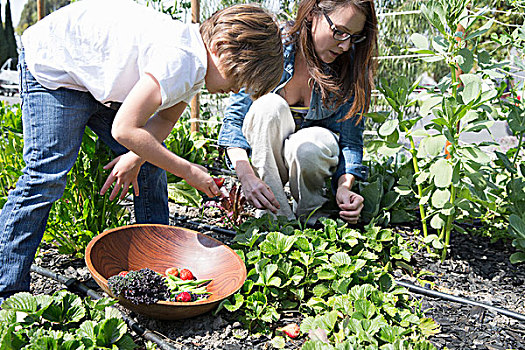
142	134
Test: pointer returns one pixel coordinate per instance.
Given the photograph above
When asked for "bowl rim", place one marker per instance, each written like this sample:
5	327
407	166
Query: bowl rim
94	272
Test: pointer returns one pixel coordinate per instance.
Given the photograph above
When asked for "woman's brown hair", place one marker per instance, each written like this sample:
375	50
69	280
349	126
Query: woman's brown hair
352	73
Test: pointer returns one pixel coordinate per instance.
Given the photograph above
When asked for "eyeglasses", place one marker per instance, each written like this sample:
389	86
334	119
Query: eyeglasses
343	36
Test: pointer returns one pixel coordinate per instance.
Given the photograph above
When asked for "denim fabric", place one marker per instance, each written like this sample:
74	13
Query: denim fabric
350	134
54	122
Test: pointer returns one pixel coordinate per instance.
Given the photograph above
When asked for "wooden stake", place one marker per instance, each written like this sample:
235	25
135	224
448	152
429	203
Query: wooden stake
40	9
195	102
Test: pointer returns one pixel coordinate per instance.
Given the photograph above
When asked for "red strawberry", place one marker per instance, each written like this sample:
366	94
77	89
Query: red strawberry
123	273
185	275
219	181
292	330
172	271
183	296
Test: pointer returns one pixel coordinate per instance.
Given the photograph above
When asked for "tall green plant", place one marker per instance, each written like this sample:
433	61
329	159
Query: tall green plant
11	146
461	104
399	94
82	212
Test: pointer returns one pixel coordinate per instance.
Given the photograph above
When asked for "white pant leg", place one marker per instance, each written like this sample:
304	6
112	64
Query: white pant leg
266	125
312	155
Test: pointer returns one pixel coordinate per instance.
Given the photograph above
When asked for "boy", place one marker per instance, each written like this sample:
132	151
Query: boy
89	59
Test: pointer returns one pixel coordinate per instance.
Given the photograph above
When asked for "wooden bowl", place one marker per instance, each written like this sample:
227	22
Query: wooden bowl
159	247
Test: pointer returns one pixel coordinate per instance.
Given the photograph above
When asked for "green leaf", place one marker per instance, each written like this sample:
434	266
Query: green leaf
436	222
321	290
278	342
126	343
386	282
110	331
24	302
388	127
420	41
506	162
87	330
428	104
428	326
340	259
517	258
182	193
517	226
361	291
440	198
441	172
238	300
480	31
465	60
432	146
390	199
327	321
475	154
276	243
472	89
365	307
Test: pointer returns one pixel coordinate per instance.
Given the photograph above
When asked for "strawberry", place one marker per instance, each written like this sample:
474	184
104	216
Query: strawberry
292	330
185	275
123	273
183	296
219	181
172	271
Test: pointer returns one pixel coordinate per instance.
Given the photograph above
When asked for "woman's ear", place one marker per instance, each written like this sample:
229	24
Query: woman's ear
310	16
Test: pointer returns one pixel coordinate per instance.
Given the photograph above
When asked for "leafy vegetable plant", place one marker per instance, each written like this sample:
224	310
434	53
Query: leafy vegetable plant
62	321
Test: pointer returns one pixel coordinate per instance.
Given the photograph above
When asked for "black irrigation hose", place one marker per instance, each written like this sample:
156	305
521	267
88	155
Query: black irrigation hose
75	285
432	293
194	225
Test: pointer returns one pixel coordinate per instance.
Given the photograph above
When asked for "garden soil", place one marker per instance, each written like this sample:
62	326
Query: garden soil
475	268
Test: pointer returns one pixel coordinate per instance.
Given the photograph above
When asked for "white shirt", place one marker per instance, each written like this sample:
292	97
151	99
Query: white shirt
105	46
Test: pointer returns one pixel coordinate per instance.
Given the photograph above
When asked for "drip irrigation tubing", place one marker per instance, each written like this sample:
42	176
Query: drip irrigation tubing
194	225
433	293
75	285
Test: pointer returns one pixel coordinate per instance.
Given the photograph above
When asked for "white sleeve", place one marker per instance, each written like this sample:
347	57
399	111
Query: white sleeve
180	74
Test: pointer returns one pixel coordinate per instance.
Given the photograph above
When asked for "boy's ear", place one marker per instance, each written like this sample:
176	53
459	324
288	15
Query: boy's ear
215	46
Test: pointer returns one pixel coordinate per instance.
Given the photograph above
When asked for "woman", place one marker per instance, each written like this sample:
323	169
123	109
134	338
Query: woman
311	126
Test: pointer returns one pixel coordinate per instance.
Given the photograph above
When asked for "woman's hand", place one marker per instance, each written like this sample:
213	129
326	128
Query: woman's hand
350	204
125	170
258	193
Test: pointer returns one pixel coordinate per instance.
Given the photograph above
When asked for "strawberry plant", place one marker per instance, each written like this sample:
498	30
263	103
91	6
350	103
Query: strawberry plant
61	321
313	271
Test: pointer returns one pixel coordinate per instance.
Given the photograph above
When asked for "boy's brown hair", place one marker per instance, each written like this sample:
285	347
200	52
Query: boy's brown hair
248	43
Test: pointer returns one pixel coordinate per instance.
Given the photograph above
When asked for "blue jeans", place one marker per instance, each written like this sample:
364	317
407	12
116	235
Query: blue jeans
54	122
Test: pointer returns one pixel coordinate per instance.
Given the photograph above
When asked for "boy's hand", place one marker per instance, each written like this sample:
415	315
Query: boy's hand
199	178
350	204
124	173
259	193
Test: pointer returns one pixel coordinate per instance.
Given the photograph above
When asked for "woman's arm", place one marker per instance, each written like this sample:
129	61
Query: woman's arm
256	190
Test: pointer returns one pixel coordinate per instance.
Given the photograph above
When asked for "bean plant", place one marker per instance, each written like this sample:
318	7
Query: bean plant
456	175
